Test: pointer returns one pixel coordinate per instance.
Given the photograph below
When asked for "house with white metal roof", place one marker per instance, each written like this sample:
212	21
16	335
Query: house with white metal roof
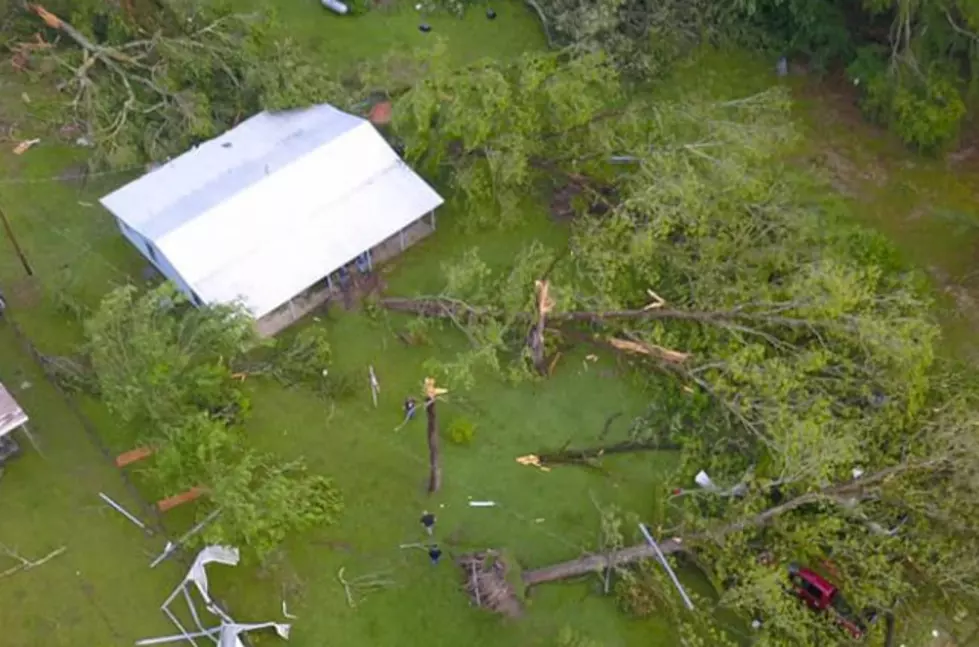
270	213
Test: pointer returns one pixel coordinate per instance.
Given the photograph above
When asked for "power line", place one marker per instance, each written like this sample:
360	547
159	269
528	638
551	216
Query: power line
63	178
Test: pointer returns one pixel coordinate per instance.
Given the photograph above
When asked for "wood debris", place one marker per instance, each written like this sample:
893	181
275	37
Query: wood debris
650	350
49	18
533	460
657	301
431	390
25	145
27	564
22	54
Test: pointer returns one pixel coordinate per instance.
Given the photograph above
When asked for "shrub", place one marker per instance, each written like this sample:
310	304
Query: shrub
924	111
927	116
461	431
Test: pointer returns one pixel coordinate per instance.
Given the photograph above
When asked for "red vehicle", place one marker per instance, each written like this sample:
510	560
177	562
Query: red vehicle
820	595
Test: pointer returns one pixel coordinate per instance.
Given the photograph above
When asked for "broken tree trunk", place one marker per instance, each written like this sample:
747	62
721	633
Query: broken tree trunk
434	471
535	338
597	563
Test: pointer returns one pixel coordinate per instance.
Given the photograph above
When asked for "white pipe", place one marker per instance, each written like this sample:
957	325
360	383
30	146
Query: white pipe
172	639
121	510
666	565
171	547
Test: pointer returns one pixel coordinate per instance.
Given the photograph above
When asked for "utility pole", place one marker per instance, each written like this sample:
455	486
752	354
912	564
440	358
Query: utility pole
13	241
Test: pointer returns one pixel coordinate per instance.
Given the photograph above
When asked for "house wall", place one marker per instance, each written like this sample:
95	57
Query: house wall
318	294
157	258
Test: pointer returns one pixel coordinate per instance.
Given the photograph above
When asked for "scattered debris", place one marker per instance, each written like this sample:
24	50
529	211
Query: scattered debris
26	564
84	142
491	14
487	582
375	385
336	6
380	113
22	56
121	510
533	460
228	632
782	67
285	611
424	28
25	145
482	504
358	588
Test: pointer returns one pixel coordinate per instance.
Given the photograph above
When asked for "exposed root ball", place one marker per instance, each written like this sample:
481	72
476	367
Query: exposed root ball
487	579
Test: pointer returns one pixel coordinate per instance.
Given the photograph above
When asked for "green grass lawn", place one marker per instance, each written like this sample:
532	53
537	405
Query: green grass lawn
100	590
540	517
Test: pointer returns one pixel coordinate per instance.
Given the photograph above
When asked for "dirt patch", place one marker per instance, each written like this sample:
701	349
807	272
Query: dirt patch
24	293
360	287
574	197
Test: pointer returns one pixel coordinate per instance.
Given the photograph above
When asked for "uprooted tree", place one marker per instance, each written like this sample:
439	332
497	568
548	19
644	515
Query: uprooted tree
789	354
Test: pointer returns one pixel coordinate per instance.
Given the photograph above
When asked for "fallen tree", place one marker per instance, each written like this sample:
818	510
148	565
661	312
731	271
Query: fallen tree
855	490
783	349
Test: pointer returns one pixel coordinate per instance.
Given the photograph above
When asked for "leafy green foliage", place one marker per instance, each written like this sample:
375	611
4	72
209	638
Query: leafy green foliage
166	369
641	37
461	431
158	359
911	59
809	352
150	85
924	111
568	637
493	124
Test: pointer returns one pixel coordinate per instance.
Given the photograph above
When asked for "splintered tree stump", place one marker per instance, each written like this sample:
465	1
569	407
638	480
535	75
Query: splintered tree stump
434	469
485	577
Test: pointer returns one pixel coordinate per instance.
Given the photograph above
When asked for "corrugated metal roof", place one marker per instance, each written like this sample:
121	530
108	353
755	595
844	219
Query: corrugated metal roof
11	415
274	205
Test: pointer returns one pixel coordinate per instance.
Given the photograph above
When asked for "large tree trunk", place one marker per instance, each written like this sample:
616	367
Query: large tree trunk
596	563
587	454
434	471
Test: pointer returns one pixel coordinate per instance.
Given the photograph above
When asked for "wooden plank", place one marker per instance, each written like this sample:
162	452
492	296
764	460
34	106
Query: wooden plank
132	456
179	499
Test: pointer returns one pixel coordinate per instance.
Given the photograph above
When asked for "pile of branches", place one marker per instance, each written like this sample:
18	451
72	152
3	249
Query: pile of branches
485	576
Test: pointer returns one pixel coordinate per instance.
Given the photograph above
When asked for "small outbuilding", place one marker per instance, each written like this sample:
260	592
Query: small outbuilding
274	212
12	418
